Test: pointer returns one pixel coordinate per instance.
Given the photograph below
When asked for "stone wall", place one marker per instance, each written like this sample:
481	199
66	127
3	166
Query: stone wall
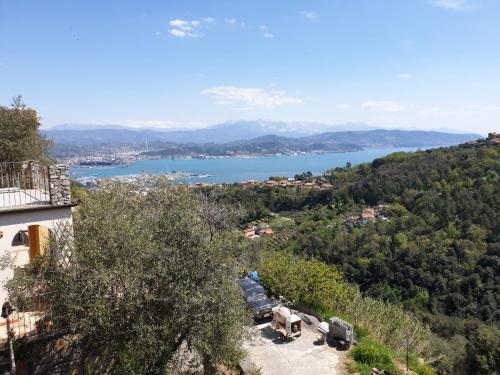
60	191
31	172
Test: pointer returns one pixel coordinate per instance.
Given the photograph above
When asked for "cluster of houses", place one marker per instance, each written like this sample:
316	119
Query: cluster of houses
368	215
291	182
493	139
259	230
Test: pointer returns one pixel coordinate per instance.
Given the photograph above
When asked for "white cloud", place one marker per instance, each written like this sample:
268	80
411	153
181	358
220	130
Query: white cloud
183	25
384	106
458	5
468	111
267	34
230	21
158	124
309	15
404	75
185	28
178	33
251	97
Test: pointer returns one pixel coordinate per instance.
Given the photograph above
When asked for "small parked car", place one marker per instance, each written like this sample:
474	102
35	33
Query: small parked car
256	298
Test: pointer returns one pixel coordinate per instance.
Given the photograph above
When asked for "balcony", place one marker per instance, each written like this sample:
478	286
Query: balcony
28	184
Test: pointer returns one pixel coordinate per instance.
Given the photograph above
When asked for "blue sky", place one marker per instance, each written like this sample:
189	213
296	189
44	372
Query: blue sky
395	63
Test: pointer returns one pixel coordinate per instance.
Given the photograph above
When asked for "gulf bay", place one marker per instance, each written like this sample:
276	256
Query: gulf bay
235	169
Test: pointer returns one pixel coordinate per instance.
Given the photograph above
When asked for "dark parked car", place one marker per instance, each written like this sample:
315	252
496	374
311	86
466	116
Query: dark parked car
256	298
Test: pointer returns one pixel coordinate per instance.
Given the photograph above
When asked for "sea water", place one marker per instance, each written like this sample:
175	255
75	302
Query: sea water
234	169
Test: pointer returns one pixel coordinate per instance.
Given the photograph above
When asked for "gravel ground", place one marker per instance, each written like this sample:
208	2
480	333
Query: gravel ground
304	355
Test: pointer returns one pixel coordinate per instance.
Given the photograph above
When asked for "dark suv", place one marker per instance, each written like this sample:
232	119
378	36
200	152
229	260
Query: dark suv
256	298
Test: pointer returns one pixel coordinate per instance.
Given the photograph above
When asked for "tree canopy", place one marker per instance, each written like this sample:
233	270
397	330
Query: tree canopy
147	284
20	138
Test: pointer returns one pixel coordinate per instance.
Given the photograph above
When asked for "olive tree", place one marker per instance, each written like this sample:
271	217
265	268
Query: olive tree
146	284
20	138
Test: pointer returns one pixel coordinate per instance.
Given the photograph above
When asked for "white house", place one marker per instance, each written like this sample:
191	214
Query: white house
35	200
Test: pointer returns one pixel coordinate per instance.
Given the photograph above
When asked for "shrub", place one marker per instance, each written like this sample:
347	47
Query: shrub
373	354
306	282
361	331
420	368
388	323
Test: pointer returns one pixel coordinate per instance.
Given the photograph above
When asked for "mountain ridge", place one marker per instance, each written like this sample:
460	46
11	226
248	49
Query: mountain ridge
219	133
324	142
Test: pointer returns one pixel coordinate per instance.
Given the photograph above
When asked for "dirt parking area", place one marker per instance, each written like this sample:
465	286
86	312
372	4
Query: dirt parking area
301	356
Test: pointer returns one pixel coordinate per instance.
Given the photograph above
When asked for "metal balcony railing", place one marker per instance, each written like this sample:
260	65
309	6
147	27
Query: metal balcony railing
23	184
25	322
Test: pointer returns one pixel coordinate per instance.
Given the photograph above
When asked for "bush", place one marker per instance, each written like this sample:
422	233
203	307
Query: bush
373	354
361	331
420	368
305	282
388	323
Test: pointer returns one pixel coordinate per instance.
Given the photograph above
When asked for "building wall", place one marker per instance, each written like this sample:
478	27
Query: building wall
14	221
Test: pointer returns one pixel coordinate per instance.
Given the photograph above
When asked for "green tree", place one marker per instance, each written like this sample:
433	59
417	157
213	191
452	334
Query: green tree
20	138
483	350
145	284
310	283
78	191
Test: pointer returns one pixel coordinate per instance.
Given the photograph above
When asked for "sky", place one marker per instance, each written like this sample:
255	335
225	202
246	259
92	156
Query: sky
427	64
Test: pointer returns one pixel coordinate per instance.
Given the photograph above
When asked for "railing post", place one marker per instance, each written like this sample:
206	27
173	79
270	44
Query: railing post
6	311
29	182
34	174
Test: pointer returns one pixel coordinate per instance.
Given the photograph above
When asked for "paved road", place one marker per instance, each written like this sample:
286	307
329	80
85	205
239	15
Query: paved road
302	356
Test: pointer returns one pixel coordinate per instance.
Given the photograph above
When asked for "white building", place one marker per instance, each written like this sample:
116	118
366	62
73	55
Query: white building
35	200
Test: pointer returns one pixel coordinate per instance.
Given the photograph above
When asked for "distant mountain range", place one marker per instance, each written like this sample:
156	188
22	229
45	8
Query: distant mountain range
353	134
265	145
393	138
345	141
81	135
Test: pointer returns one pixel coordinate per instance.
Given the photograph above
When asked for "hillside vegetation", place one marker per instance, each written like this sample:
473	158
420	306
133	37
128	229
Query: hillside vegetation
437	251
440	247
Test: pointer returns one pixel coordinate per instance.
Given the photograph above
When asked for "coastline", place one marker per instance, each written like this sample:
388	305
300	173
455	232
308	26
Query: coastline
237	169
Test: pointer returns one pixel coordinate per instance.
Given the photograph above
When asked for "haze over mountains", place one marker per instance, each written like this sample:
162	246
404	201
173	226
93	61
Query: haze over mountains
220	133
358	134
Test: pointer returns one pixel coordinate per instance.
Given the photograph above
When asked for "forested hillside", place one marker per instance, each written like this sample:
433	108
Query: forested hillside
440	247
435	247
